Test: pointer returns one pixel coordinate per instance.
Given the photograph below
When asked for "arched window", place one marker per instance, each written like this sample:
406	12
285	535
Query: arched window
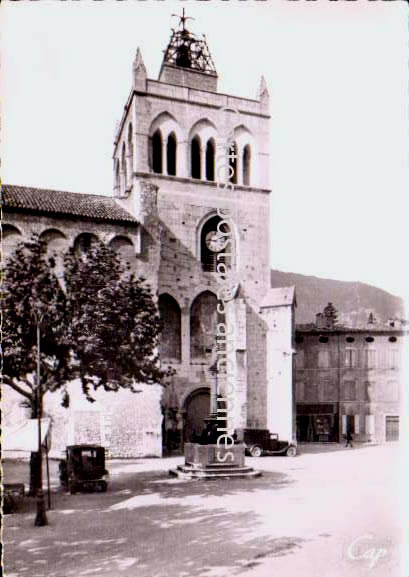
195	157
83	242
11	237
157	152
203	325
55	239
233	163
117	178
171	154
124	173
213	241
123	247
210	160
130	151
170	345
246	164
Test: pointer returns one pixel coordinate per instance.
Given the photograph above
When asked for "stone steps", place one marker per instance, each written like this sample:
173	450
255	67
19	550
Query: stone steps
213	471
215	466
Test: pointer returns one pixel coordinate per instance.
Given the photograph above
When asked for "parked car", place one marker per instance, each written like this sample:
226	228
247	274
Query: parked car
260	442
13	495
84	468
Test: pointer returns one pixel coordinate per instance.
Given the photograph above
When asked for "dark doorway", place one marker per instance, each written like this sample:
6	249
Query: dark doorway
350	424
392	428
317	424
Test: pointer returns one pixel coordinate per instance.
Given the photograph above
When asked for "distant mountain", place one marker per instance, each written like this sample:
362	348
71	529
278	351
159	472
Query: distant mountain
353	300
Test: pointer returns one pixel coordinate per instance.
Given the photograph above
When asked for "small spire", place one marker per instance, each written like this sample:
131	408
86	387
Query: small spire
263	90
138	64
139	72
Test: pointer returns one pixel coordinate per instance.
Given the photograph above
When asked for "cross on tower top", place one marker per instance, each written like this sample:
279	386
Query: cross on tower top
182	19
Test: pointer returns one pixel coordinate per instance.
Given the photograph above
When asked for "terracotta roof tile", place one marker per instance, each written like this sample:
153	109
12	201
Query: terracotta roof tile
31	199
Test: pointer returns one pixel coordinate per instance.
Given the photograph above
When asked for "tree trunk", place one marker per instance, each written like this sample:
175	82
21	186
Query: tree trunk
34	474
34	463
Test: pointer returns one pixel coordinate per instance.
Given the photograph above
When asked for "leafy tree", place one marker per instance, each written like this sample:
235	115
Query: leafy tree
331	315
114	323
32	297
102	326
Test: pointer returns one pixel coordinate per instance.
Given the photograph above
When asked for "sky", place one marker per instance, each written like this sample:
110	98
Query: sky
337	76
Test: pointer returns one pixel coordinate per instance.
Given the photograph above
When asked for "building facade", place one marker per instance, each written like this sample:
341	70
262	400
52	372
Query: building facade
348	380
184	154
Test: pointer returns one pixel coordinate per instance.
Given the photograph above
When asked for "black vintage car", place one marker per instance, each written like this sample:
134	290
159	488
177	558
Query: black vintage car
84	468
260	442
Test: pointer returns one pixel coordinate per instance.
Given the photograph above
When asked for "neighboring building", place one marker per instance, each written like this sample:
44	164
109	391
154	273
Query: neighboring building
163	220
348	379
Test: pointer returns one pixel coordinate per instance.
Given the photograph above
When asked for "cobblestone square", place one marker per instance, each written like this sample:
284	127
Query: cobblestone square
330	511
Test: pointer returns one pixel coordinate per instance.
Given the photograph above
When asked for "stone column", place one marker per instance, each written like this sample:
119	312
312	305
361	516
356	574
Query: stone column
240	353
182	159
233	361
129	161
141	152
280	404
202	162
164	156
239	167
185	333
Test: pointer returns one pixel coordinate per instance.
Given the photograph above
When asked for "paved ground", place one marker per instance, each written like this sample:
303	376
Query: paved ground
330	512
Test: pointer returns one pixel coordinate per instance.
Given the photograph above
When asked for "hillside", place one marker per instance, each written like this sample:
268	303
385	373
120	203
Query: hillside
354	300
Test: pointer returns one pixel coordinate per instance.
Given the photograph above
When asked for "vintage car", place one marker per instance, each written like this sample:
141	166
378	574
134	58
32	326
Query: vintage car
84	468
260	442
13	496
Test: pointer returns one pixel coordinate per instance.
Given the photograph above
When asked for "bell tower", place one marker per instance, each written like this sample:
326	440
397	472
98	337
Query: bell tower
184	153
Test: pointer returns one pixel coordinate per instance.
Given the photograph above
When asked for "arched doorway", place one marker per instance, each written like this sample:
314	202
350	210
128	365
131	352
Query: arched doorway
197	408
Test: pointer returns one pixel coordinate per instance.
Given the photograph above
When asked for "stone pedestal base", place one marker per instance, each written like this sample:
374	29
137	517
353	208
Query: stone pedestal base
213	461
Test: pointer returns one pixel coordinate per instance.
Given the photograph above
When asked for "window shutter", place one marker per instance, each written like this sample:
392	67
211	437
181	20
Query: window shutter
344	424
356	425
347	358
370	424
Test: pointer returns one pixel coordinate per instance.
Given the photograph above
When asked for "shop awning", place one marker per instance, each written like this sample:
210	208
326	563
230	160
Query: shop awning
24	436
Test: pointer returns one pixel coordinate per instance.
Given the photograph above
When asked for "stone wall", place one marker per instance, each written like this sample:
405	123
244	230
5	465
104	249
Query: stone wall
191	78
128	425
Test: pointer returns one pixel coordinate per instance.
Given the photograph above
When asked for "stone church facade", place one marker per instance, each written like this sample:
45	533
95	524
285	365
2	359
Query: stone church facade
183	154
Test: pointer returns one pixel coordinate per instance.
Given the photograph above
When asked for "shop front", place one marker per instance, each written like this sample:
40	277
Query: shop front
318	423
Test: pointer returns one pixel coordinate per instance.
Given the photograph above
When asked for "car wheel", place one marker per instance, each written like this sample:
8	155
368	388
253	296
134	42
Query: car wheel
256	451
291	451
73	488
103	486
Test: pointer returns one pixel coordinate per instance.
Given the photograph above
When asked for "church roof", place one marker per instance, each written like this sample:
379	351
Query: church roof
277	297
58	202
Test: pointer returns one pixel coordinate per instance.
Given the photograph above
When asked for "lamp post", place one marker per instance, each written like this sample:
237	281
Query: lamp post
41	517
